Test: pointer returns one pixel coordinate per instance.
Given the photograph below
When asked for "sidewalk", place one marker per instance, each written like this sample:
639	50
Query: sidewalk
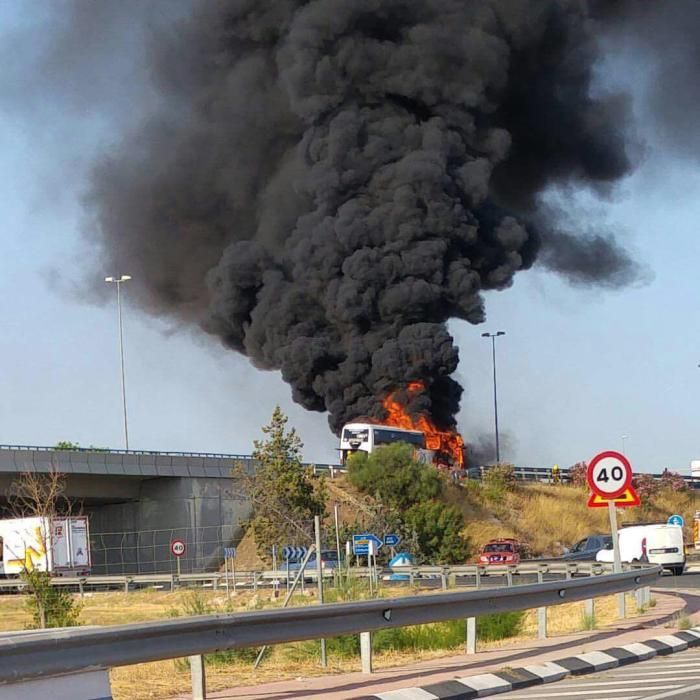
356	685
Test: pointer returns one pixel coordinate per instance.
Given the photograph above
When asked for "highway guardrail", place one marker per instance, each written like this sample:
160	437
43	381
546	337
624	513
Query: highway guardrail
75	650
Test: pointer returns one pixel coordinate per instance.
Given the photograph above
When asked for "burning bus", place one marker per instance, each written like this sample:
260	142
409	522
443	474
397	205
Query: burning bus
444	449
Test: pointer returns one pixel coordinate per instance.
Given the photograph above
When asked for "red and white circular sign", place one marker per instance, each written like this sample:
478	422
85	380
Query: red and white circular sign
609	474
178	548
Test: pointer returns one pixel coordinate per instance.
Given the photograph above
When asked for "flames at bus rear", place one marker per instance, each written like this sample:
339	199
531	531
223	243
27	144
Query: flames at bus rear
446	442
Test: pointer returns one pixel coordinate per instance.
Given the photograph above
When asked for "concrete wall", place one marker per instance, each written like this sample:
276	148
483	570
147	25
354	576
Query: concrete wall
134	537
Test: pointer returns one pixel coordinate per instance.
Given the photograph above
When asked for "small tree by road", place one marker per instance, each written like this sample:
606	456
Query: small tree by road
43	496
285	495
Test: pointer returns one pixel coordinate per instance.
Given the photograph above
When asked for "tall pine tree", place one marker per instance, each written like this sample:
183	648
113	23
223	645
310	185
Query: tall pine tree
285	494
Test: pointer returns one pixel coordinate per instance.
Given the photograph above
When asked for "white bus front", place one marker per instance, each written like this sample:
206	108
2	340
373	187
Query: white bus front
365	437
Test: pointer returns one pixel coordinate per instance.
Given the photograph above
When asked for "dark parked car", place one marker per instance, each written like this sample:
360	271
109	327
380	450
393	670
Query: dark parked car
587	548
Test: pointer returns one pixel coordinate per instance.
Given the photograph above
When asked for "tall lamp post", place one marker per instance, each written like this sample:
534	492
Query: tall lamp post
118	281
493	337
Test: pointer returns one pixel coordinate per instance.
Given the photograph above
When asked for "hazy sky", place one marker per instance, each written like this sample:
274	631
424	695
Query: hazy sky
578	368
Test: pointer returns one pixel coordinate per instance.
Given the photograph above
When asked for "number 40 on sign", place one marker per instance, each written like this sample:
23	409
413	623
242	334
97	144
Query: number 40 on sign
609	476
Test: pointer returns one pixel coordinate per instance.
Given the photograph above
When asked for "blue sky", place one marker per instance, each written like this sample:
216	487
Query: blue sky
578	368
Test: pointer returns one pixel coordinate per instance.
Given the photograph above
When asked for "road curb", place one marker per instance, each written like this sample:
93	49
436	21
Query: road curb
485	684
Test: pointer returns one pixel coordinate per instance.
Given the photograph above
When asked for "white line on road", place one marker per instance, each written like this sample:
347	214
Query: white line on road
573	693
682	691
619	682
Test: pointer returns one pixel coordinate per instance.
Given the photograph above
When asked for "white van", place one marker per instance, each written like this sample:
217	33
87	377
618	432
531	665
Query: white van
660	544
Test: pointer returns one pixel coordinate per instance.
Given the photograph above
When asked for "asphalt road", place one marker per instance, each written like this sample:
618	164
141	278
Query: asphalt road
676	676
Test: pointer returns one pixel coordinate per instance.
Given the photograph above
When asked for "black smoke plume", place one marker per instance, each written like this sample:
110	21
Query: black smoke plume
325	183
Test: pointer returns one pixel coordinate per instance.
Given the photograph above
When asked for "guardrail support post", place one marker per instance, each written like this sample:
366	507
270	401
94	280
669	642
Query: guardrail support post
621	608
589	609
443	580
126	585
470	646
366	651
199	678
509	578
477	579
541	614
647	595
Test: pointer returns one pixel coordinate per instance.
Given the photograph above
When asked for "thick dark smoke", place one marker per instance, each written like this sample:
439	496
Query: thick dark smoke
327	182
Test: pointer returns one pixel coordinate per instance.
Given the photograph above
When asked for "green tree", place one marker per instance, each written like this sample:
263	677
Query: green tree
393	475
43	496
66	445
285	495
437	528
49	606
408	490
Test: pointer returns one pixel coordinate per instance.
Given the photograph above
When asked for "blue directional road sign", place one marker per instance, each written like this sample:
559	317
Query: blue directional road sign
360	543
230	552
392	540
293	553
676	520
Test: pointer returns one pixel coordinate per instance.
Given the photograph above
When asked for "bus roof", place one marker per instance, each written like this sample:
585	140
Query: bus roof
364	426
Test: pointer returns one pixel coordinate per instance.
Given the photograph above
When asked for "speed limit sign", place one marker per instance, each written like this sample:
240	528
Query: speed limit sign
609	475
177	547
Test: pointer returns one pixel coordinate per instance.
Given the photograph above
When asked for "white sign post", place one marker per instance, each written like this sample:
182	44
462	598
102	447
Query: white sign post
178	549
610	476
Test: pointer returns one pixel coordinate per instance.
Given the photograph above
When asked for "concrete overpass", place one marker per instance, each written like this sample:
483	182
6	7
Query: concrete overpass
139	501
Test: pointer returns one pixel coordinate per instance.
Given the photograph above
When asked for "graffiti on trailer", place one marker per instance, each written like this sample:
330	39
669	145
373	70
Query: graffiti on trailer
32	554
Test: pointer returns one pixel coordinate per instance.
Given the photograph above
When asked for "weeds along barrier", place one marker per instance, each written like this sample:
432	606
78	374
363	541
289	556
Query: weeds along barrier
83	650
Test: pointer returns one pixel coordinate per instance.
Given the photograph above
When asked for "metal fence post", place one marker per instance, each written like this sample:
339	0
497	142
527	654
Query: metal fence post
470	647
199	678
366	651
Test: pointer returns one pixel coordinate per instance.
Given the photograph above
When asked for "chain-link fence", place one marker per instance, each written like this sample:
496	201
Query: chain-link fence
151	551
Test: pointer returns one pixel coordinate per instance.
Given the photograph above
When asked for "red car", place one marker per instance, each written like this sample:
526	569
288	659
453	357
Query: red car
505	551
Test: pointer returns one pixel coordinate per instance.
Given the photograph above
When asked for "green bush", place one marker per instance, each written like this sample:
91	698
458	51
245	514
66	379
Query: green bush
496	626
438	531
498	480
394	476
49	606
436	636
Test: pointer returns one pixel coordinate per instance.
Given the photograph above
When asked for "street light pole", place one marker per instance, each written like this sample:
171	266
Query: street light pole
118	281
493	337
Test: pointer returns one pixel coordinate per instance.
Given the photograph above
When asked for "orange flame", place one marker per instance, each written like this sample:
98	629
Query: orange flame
447	442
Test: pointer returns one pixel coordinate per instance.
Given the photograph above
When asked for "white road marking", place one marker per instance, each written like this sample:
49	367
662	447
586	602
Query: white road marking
608	691
682	691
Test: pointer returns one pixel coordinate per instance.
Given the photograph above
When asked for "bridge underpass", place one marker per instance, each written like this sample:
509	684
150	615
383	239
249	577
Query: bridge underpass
138	502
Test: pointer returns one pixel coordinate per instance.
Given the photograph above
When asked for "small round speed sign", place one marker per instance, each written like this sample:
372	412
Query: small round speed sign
177	547
609	474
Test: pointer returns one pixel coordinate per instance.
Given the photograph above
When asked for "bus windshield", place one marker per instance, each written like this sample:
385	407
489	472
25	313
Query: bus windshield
385	436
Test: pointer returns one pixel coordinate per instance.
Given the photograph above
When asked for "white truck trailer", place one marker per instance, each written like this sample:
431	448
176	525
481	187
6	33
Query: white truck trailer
59	545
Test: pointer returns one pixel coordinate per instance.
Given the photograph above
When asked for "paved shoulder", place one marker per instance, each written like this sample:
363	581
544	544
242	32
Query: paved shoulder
676	677
631	666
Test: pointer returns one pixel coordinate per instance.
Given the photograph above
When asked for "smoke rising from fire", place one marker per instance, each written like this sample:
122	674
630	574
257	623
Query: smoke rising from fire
326	183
